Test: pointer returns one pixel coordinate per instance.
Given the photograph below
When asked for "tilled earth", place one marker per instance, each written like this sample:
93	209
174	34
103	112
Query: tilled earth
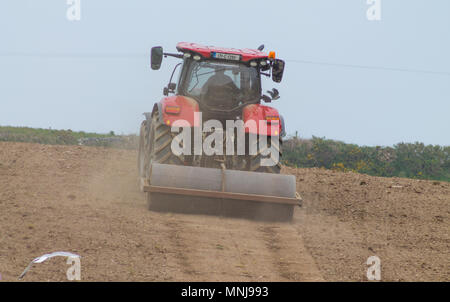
86	200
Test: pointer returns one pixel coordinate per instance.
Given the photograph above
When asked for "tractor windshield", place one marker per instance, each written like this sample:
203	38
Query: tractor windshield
222	85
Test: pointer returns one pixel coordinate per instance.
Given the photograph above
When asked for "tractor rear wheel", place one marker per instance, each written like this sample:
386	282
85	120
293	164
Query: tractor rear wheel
160	151
274	163
161	140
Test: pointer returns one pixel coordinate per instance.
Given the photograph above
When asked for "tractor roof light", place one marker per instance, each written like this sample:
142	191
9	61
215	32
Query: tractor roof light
263	63
253	64
187	55
272	55
197	57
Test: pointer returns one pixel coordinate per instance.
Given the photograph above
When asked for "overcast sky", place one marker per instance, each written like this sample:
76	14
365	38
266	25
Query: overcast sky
382	82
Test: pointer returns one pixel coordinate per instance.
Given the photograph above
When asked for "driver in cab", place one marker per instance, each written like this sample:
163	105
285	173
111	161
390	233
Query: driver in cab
220	90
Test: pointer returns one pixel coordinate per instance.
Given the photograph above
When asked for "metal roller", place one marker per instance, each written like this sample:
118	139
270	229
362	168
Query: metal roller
219	191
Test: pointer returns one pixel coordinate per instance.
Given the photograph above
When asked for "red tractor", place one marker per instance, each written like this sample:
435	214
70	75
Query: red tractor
216	87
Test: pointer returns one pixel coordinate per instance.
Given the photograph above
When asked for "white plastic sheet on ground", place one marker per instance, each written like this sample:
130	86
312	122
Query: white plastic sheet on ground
48	256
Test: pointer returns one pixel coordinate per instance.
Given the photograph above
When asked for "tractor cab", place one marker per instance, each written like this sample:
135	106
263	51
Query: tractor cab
221	79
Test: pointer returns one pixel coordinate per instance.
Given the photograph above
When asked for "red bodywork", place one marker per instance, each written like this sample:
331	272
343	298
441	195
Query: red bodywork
185	117
269	116
188	106
205	51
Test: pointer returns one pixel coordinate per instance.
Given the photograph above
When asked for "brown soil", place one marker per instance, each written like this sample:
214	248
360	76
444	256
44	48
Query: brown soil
86	200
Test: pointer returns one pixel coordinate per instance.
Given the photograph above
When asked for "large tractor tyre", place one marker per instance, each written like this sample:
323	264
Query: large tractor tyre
161	141
255	160
161	152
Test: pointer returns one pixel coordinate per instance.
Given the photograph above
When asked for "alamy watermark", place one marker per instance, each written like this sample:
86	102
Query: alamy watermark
374	270
211	138
74	10
374	11
74	271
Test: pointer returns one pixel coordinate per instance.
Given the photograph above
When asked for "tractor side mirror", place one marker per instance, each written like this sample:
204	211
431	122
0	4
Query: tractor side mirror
156	57
277	70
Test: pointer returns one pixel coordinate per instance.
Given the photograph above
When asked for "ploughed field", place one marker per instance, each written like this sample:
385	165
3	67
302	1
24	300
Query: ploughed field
86	200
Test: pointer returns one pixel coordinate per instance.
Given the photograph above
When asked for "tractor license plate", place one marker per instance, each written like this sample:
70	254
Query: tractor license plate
226	56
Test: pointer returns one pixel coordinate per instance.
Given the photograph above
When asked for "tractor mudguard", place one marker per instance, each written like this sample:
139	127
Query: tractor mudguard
179	110
262	114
